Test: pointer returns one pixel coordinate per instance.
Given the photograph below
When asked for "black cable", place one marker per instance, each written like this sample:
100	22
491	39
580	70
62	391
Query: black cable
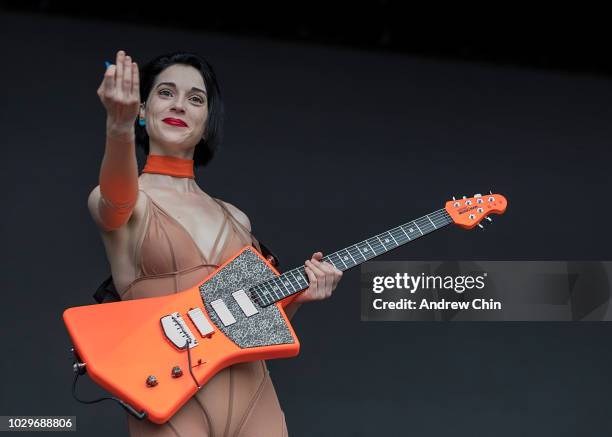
129	408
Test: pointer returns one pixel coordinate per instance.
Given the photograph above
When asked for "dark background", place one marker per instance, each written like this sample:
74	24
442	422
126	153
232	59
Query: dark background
327	142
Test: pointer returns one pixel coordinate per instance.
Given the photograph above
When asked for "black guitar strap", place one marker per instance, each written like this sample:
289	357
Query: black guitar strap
107	292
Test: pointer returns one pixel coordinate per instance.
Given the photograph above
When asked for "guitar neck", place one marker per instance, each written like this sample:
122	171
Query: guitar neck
295	280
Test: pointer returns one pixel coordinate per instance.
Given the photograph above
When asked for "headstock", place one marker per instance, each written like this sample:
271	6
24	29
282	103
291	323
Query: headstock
469	212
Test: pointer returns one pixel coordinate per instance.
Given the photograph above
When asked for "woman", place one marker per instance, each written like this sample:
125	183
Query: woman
163	234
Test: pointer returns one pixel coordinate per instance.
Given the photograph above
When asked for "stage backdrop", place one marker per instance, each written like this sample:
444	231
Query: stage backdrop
324	147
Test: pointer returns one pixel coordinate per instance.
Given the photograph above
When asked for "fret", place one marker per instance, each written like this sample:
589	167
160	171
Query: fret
262	301
273	292
387	241
287	281
277	291
432	223
345	259
377	245
279	279
289	277
446	218
397	236
340	258
266	296
300	276
269	298
358	250
406	233
419	229
255	295
365	250
443	218
327	259
396	243
381	243
424	225
265	290
371	248
348	249
338	263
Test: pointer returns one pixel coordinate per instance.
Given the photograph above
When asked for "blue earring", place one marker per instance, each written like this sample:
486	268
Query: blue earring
142	122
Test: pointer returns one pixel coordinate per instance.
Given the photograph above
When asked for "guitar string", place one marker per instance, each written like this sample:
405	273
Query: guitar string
439	219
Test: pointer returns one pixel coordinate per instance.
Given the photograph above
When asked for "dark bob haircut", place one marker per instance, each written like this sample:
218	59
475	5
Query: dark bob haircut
206	148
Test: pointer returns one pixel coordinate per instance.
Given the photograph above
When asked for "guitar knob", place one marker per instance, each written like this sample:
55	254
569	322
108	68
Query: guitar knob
177	372
152	381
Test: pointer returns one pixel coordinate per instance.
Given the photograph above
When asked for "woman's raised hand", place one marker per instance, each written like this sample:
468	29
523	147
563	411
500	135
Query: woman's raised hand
120	95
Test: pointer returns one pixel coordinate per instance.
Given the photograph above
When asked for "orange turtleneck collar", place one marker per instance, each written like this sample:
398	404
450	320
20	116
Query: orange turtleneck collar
169	165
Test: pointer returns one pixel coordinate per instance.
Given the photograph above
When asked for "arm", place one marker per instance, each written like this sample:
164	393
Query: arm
112	204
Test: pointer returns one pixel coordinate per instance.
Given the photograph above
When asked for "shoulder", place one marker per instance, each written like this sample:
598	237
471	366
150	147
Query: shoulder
238	214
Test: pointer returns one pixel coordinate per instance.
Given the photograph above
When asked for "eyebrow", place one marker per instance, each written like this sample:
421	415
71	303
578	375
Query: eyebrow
172	84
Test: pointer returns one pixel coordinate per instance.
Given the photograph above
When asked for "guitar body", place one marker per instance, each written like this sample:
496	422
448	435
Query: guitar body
124	343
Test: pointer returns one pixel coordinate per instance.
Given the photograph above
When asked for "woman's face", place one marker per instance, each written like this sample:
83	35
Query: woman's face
176	109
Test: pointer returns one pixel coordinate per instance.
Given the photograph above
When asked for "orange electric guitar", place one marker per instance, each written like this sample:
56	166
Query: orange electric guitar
155	353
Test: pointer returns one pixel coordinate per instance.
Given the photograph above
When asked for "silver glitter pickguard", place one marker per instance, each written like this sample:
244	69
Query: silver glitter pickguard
265	328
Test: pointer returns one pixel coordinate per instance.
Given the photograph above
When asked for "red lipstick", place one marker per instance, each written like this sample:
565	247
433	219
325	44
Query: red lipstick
174	122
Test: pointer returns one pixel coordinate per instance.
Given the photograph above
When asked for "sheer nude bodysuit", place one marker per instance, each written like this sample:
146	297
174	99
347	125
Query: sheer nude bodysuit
172	252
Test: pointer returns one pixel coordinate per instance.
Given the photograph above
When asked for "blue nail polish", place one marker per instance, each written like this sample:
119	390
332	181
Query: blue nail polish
107	64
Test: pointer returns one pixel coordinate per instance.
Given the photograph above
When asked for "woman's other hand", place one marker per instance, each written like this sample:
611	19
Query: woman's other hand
120	95
323	278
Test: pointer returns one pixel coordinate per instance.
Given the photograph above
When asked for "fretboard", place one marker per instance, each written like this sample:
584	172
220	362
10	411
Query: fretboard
295	280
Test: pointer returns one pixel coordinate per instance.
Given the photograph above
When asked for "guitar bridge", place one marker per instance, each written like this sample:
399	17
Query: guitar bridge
177	331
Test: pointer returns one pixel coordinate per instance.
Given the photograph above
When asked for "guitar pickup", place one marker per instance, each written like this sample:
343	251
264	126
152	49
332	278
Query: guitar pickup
223	312
245	303
200	321
177	331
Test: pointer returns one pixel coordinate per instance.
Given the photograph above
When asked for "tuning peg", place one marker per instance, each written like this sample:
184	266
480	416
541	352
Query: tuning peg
454	198
490	192
489	219
477	195
480	226
464	197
